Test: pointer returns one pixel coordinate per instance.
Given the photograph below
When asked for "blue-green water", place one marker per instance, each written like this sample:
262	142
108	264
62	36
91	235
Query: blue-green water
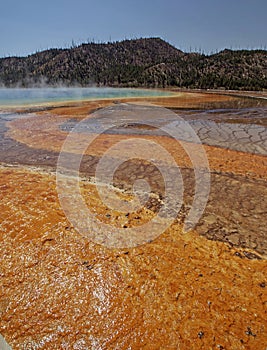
25	97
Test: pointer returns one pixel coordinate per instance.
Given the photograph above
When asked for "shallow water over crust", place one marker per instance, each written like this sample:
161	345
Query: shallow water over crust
59	290
242	130
234	175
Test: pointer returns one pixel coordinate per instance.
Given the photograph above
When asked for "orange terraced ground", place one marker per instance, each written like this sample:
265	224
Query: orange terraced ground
59	290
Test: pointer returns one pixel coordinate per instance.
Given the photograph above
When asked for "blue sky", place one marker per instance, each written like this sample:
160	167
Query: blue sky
208	25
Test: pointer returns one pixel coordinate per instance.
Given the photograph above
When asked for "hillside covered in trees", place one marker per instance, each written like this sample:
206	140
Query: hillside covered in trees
149	62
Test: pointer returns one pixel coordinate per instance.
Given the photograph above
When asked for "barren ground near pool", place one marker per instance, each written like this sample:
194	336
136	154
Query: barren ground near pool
205	289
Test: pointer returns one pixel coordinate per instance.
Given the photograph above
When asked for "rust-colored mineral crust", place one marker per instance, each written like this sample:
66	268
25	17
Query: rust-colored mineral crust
59	290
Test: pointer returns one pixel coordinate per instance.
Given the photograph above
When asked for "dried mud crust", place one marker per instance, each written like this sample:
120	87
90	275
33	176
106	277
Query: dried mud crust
60	291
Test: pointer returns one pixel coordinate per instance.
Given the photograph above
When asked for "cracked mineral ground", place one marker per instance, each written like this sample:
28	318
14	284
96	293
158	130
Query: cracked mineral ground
205	289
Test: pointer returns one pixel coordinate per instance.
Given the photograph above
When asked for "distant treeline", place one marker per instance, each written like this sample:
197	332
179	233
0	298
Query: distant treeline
149	62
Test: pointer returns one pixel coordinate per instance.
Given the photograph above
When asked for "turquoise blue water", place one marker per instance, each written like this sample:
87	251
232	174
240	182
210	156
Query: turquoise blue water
24	97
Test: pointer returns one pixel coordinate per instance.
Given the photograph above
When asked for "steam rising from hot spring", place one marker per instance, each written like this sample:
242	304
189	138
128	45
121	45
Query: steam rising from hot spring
36	96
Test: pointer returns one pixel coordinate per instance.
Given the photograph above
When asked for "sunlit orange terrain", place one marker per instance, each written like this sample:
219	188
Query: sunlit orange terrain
204	289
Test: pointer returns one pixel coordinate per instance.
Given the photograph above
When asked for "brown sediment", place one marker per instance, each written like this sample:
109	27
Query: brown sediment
59	290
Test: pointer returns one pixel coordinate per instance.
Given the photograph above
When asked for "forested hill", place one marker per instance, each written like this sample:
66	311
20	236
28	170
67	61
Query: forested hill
149	62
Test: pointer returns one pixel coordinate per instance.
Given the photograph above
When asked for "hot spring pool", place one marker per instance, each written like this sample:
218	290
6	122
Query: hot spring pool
26	97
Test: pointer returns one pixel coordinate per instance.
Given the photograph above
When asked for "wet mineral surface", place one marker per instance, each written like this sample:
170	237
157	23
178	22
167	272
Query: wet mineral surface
60	290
